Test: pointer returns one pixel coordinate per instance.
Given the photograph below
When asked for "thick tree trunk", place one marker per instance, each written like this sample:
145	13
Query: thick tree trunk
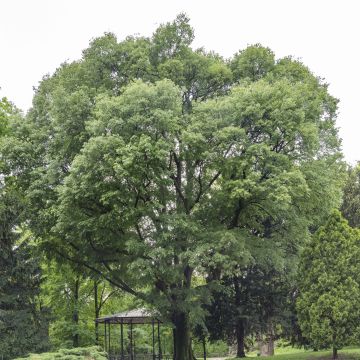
267	346
182	337
240	325
240	337
335	354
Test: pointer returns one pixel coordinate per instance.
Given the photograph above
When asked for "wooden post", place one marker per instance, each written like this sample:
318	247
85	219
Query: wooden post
109	339
105	337
131	340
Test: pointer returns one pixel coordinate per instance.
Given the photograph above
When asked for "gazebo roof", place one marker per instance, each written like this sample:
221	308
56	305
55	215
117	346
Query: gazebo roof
136	316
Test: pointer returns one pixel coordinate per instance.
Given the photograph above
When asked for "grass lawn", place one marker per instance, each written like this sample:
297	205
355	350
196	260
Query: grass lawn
350	353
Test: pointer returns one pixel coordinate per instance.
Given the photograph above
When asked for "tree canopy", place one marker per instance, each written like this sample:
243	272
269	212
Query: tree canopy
148	162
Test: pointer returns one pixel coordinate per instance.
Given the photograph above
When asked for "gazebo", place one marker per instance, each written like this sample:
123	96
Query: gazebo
130	318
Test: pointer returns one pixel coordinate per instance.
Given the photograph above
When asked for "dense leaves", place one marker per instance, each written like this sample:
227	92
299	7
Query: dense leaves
147	162
91	353
329	287
23	321
350	207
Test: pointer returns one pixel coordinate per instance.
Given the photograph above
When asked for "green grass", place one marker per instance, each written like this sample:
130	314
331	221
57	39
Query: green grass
350	353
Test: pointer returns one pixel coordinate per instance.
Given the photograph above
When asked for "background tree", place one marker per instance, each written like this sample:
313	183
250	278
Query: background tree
75	299
327	306
254	303
23	319
350	207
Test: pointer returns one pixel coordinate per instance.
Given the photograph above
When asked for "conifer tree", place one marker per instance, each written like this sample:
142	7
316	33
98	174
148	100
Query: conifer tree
328	305
23	324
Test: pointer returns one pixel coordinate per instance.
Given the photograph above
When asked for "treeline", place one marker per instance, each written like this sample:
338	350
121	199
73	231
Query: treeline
187	181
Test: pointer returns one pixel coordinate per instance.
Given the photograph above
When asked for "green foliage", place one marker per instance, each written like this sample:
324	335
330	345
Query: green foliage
75	299
171	39
90	353
23	320
6	109
253	63
350	207
327	306
253	303
147	162
68	294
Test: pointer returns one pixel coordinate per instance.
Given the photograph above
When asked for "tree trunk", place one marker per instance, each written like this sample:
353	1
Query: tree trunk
97	312
240	325
76	313
335	355
182	337
204	347
240	337
267	347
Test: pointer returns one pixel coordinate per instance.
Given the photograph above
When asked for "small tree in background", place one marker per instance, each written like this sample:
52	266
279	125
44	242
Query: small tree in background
351	200
23	320
328	305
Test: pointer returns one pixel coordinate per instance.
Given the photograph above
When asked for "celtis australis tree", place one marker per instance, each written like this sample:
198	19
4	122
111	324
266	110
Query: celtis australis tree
149	162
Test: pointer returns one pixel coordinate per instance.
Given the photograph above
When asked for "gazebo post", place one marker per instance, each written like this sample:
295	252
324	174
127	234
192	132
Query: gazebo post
159	343
109	338
153	339
131	317
131	340
122	339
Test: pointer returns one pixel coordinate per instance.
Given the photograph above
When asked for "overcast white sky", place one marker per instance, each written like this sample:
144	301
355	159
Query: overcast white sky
38	35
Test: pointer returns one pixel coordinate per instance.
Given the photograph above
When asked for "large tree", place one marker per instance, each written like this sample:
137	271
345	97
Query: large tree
148	162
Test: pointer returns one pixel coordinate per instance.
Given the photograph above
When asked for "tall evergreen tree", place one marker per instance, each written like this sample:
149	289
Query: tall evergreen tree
328	305
23	321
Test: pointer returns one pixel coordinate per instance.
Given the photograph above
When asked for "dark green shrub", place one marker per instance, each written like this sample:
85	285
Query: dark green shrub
90	353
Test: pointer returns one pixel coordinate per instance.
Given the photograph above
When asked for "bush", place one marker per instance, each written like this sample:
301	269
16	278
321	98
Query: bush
89	353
